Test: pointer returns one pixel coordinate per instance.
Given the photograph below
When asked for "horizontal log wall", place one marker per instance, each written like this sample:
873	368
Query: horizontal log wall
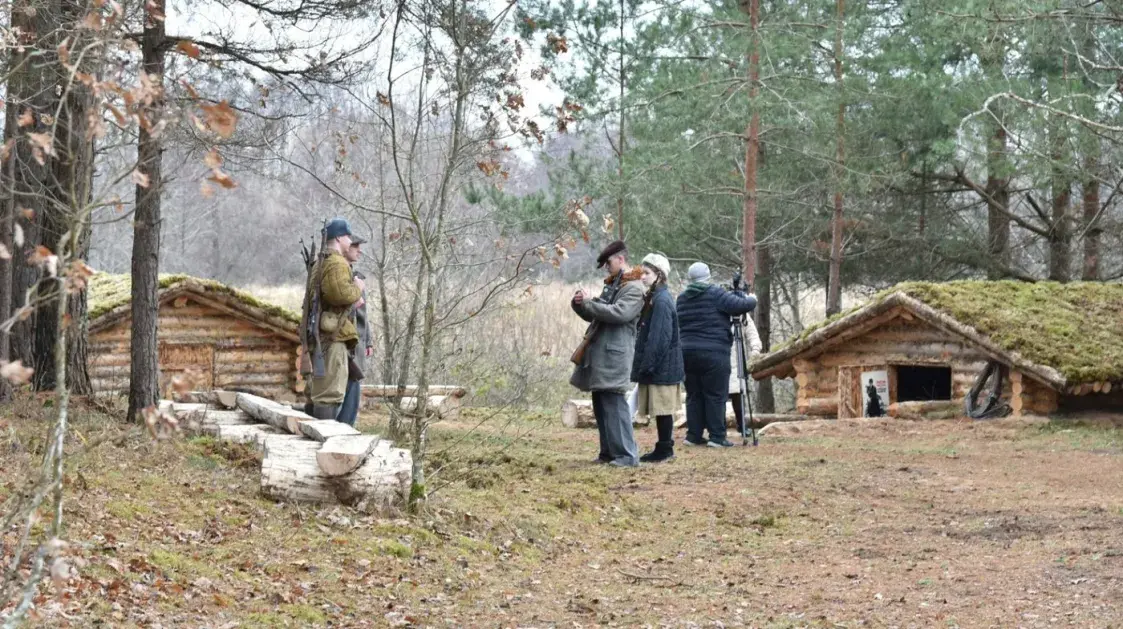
245	356
897	342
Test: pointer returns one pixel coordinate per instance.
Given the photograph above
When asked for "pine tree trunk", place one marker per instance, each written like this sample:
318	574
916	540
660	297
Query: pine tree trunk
64	228
144	369
620	138
1092	230
752	151
998	168
30	89
6	213
834	281
1060	233
998	189
766	398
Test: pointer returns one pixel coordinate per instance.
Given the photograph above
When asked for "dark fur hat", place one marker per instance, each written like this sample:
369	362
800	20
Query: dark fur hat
615	247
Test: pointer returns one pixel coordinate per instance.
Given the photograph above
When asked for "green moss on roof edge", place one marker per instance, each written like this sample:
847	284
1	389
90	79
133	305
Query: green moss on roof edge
108	292
1075	328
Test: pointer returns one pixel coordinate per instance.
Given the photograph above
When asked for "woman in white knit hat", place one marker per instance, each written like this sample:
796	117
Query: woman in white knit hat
657	365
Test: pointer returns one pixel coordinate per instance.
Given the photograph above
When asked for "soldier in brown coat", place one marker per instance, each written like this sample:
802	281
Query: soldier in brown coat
339	293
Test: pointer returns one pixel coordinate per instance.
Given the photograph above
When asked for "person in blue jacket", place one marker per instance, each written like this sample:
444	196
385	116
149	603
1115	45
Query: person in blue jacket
657	365
705	313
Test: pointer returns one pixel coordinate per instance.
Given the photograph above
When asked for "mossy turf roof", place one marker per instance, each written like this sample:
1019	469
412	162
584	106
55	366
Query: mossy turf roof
108	292
1074	328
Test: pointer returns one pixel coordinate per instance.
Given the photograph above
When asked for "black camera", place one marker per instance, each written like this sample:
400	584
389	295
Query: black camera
737	280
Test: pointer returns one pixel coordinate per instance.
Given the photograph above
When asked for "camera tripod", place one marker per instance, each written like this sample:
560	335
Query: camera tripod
739	324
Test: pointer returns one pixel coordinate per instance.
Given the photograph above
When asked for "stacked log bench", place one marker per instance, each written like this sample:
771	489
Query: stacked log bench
443	400
304	459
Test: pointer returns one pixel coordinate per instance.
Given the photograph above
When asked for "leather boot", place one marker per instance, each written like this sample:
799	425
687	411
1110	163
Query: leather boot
665	447
325	411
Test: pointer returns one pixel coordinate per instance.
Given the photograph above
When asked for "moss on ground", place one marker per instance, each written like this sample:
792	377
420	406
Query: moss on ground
108	292
1075	328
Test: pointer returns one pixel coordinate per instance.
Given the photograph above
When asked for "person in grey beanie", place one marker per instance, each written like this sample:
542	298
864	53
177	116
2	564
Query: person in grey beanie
705	313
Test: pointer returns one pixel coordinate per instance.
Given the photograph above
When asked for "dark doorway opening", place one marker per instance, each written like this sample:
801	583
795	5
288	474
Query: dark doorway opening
921	384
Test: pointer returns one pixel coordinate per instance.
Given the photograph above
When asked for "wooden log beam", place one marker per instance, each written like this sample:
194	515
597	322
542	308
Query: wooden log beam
390	390
819	406
290	472
323	429
578	414
344	454
270	412
249	434
440	406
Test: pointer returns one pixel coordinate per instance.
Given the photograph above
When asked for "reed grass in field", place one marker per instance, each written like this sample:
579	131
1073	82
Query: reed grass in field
517	352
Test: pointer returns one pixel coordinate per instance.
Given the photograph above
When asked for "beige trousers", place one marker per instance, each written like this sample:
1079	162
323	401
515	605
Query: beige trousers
331	389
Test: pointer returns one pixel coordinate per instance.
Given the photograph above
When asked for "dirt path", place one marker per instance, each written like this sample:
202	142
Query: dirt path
894	525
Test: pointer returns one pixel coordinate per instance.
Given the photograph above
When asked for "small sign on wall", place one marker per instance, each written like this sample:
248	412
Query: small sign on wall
875	393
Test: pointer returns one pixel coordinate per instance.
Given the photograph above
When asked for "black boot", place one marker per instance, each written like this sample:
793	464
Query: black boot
665	447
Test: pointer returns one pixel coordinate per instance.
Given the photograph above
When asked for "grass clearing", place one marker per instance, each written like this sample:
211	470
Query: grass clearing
900	524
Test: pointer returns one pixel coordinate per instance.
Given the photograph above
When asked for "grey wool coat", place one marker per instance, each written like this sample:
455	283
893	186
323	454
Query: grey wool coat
607	364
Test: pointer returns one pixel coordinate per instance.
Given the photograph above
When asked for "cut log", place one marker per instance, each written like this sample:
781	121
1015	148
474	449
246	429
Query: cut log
390	390
250	434
442	406
282	417
819	406
1098	387
1107	387
290	472
344	454
323	429
226	399
578	414
183	409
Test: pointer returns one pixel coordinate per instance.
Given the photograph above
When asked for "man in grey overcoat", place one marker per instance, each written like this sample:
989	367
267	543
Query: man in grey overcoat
606	366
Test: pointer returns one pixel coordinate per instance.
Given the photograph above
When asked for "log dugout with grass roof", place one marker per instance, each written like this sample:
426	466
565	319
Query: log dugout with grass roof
217	335
1060	348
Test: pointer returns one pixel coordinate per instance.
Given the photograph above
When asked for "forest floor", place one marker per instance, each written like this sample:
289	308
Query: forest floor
890	524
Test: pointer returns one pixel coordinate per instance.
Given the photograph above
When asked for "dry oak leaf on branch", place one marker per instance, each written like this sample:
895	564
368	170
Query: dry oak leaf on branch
188	48
220	118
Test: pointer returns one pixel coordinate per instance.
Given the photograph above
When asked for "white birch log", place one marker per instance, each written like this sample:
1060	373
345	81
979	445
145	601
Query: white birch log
226	399
323	429
730	416
390	390
441	406
290	472
578	414
207	421
272	413
250	434
344	454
